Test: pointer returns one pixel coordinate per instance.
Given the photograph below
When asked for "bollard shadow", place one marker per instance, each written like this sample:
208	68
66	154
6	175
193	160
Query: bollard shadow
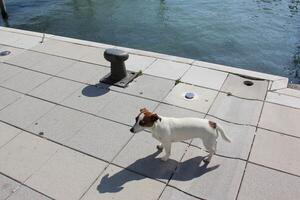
188	170
95	90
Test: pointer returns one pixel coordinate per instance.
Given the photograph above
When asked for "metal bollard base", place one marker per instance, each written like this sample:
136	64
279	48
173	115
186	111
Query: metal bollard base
121	83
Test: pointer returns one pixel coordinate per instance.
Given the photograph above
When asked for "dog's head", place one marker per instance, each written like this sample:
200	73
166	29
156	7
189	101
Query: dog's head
145	119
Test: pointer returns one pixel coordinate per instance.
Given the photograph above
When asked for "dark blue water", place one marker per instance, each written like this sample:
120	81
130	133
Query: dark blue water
261	35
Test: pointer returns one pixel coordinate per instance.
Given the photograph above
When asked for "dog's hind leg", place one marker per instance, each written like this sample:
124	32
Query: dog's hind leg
167	147
211	150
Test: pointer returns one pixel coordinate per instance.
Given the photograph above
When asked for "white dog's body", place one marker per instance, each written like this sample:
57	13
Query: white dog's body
168	130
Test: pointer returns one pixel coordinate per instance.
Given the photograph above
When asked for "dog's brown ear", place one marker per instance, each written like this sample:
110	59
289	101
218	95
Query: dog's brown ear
143	110
154	117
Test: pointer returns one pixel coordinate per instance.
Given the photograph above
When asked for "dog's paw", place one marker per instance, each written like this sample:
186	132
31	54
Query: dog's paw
206	160
159	147
165	158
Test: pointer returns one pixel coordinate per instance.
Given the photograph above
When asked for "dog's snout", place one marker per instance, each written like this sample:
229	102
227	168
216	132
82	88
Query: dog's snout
131	130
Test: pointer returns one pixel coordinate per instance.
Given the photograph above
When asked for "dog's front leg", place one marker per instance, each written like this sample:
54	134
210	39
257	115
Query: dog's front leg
160	147
167	147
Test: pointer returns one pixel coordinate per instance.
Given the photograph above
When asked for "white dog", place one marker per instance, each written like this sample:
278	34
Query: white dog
168	130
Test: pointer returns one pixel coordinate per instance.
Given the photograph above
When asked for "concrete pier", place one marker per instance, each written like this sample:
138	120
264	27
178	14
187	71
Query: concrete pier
65	136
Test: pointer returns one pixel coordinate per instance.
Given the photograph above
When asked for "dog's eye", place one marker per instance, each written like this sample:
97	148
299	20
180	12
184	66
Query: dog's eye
142	122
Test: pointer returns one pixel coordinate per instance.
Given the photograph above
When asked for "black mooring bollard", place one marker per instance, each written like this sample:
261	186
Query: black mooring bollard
3	9
118	76
116	58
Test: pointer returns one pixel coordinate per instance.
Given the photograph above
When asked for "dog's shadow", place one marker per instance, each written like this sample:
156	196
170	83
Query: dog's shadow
155	168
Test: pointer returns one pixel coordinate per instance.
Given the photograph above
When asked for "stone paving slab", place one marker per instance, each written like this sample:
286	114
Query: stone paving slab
13	52
7	187
280	118
25	111
289	91
41	62
63	49
8	71
7	133
138	63
90	99
204	77
171	193
265	184
236	85
7	97
26	193
101	138
27	59
277	151
56	89
60	124
66	175
236	110
124	108
148	87
241	139
280	84
220	179
85	73
26	153
142	156
95	55
201	102
25	81
282	99
167	69
19	40
174	111
121	184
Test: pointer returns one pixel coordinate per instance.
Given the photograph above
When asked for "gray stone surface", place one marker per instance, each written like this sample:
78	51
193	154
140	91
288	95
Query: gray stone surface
277	151
95	55
201	102
265	184
234	84
289	91
280	118
66	175
8	97
26	193
220	179
26	59
136	62
148	86
56	89
282	99
24	111
121	184
7	187
7	133
51	64
167	69
236	110
101	138
60	124
61	48
174	111
280	84
25	81
8	71
142	156
204	77
241	139
124	108
171	193
41	62
25	154
13	52
84	72
90	99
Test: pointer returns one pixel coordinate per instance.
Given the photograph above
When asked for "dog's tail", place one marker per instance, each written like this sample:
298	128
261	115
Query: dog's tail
221	130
